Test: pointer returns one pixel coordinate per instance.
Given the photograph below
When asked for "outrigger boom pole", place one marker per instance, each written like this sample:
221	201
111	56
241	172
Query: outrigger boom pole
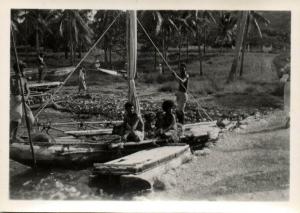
18	73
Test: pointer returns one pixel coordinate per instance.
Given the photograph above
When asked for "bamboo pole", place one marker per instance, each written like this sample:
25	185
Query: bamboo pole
18	73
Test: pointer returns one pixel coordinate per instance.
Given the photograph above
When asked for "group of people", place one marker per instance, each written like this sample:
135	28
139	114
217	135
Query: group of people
133	128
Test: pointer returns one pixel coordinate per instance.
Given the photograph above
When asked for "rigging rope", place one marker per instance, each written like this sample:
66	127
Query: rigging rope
170	68
68	77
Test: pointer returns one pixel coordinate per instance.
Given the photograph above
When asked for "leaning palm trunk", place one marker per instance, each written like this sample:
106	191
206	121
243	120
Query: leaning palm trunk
187	49
237	60
179	51
155	62
204	45
164	49
37	40
199	53
244	45
110	62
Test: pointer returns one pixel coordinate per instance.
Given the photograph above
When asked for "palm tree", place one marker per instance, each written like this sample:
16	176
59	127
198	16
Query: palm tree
165	27
15	19
181	23
102	19
241	26
36	21
74	29
226	28
201	21
253	20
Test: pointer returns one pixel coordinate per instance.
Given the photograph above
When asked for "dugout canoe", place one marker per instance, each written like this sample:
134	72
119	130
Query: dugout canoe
67	152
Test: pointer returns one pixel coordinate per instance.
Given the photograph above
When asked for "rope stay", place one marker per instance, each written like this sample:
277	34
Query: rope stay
79	63
170	68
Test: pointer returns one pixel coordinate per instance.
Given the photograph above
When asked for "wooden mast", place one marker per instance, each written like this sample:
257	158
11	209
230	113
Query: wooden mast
131	40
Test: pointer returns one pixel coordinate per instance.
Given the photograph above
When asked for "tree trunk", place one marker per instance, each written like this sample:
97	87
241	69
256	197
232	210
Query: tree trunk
37	40
179	51
110	65
199	52
105	56
163	51
155	62
66	51
204	45
236	61
27	39
187	49
79	49
71	42
244	46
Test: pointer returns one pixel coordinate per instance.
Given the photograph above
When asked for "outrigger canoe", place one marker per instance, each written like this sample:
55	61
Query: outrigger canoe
74	152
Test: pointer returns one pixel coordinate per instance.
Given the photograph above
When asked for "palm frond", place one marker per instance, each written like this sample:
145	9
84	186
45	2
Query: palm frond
159	22
257	28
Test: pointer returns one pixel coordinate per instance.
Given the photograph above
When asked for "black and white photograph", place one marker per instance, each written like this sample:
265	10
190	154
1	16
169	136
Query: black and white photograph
139	104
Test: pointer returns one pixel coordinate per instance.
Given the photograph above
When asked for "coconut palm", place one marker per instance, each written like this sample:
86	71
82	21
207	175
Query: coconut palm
201	21
15	19
35	21
226	23
254	19
74	29
102	19
241	27
161	27
165	27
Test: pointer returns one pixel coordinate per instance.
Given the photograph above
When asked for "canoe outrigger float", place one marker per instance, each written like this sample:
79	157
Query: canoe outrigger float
80	148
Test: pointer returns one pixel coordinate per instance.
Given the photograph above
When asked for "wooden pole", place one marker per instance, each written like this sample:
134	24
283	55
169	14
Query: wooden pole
131	29
18	73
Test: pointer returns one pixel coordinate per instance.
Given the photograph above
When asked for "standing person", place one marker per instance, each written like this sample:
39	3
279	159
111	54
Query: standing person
181	95
81	79
286	80
16	107
160	69
41	66
167	127
133	125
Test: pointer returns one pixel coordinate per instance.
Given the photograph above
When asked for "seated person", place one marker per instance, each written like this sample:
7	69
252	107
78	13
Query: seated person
133	125
167	127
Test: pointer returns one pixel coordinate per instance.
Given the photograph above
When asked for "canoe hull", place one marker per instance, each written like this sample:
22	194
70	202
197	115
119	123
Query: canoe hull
60	155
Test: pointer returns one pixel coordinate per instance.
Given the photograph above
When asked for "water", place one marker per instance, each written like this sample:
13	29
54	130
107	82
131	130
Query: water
62	184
